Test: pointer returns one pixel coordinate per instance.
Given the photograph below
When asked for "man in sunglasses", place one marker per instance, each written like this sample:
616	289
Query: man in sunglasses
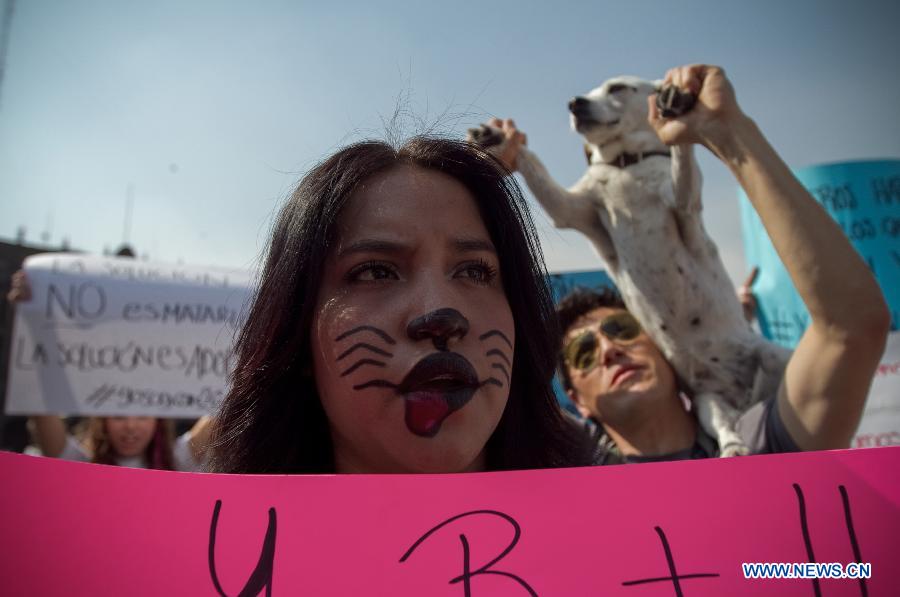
621	382
618	377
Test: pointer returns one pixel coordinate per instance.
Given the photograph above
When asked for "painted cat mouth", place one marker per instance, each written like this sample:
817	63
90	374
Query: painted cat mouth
435	388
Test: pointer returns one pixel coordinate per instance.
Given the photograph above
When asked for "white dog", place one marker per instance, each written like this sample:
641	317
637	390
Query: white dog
639	204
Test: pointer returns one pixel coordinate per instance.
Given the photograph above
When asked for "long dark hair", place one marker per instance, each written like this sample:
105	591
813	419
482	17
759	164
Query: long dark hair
272	421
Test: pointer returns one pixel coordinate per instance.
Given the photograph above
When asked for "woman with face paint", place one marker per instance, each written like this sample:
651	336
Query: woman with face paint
402	324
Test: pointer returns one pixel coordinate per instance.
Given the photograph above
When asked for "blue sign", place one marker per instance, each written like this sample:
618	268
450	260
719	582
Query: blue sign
864	199
563	284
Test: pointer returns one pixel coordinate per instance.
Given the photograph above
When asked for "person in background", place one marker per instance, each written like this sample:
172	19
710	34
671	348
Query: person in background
139	442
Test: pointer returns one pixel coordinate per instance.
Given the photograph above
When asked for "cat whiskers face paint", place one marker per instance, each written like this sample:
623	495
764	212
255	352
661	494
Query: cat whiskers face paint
363	351
503	364
440	383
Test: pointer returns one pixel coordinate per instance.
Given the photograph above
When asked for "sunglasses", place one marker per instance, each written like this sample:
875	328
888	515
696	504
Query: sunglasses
581	352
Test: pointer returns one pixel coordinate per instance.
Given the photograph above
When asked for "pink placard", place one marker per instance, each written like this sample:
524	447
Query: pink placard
639	530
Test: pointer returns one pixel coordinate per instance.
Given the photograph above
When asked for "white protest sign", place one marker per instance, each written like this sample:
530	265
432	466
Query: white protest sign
880	425
115	336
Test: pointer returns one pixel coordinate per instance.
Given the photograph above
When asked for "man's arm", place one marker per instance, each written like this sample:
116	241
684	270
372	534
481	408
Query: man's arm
49	430
827	378
50	434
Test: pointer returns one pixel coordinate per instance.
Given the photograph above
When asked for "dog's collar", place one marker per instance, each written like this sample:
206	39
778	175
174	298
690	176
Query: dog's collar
625	159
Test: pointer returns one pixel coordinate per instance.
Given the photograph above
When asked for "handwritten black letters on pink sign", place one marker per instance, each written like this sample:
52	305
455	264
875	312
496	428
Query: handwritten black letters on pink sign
262	574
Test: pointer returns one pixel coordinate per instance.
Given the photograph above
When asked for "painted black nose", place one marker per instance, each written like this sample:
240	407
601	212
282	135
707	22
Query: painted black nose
439	326
578	103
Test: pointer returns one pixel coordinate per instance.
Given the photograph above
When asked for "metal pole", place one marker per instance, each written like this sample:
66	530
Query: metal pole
129	207
4	38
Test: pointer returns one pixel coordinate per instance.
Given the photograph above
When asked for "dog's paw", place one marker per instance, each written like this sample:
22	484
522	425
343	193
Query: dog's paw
735	449
673	102
485	136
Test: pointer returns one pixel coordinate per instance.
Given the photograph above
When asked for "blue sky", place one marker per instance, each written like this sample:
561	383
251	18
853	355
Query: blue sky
211	111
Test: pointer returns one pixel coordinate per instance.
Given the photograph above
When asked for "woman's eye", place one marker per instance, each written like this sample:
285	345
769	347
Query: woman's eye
373	272
480	272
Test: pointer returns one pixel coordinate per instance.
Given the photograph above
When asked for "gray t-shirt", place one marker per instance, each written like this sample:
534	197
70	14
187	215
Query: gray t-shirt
761	429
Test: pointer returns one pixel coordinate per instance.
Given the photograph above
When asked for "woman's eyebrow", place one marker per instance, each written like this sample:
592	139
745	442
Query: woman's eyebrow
371	245
471	245
376	245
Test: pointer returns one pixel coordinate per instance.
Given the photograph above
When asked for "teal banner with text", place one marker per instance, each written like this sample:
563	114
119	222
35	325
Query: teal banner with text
864	199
